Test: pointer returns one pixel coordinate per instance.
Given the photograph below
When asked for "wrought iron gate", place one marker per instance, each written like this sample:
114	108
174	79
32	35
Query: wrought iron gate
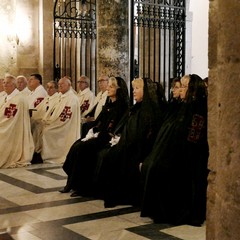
75	39
158	40
157	46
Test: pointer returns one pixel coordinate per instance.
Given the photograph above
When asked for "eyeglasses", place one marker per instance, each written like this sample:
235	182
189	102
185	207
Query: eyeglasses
102	80
81	81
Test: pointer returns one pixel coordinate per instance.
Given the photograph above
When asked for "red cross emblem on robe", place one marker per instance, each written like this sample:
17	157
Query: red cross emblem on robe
196	128
84	106
38	100
10	111
66	114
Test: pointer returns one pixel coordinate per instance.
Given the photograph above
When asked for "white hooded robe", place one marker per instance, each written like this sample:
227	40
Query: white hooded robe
16	148
61	128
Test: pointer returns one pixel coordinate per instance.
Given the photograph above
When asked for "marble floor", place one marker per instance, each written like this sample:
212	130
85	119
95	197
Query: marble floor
31	208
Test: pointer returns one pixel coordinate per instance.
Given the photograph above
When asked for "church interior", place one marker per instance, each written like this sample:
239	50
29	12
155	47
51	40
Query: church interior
31	207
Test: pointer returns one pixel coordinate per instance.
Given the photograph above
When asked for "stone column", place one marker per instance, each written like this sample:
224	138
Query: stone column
46	39
113	38
223	206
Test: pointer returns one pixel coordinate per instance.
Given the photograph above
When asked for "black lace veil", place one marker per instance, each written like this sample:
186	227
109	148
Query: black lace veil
122	91
196	89
154	101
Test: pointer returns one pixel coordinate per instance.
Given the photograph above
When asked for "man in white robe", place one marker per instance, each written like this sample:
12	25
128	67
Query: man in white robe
16	146
61	125
85	95
46	105
99	102
38	93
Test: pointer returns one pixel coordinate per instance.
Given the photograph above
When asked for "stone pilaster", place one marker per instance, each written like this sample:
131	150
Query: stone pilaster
113	38
223	214
46	67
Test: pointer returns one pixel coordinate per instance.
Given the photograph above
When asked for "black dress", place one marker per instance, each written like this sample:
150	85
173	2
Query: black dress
118	174
81	160
175	172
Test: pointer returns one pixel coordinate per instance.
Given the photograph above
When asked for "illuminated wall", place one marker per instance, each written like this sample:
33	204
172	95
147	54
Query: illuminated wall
19	37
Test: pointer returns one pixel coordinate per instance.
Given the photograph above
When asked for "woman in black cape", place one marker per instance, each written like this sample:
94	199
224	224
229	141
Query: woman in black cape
175	172
118	175
174	102
81	159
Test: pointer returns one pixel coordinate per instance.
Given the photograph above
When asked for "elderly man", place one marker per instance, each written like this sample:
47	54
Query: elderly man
46	105
99	102
61	124
49	101
38	93
85	95
100	99
16	146
22	85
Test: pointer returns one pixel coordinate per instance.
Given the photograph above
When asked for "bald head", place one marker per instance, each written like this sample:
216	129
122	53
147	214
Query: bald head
64	84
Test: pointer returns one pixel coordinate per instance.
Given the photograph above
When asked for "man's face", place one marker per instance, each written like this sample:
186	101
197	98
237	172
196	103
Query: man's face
33	83
82	84
21	84
51	89
63	85
103	84
8	85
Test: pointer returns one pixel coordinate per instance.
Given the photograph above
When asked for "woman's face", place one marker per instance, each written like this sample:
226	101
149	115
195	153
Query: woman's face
138	93
112	89
184	88
176	90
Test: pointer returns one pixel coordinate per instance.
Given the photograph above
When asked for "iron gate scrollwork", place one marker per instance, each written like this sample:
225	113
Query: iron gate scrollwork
75	39
158	40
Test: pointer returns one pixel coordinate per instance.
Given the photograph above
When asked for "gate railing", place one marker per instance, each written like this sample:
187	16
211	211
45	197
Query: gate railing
75	39
158	40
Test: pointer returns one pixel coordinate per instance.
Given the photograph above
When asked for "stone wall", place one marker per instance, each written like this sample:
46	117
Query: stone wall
26	31
223	214
19	37
113	38
28	48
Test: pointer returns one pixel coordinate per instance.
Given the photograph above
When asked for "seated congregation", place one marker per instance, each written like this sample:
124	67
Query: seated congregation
152	154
